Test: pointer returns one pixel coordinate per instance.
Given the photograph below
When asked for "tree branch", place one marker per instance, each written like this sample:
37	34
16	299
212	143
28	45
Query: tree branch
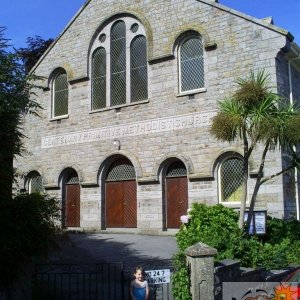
257	185
278	173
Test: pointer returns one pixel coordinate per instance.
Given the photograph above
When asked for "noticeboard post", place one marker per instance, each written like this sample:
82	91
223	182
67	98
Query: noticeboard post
258	222
158	276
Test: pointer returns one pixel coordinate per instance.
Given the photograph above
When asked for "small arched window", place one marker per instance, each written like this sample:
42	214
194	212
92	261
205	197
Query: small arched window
121	169
60	95
191	64
35	183
99	79
231	179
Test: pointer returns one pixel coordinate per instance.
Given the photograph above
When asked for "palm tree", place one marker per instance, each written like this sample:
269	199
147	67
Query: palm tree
256	115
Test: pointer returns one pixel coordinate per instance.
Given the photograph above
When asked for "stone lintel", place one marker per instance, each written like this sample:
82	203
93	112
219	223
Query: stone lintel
78	79
89	184
200	177
147	180
160	59
200	249
210	46
51	186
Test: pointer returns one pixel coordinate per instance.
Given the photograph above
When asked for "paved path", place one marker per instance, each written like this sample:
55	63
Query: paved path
152	252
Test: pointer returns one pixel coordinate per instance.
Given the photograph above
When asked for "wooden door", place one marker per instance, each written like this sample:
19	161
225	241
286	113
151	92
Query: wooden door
121	205
72	213
176	200
130	207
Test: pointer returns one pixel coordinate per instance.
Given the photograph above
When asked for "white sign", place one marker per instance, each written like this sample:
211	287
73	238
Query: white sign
131	129
158	276
258	223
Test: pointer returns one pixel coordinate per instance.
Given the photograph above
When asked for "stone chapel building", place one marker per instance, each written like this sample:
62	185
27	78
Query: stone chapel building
129	91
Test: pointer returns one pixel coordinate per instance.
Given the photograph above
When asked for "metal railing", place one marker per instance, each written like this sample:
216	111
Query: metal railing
101	281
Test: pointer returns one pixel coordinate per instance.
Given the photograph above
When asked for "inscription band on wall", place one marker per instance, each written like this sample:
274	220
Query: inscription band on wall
131	129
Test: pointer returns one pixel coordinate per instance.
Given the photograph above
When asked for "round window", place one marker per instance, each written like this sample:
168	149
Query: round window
134	27
102	37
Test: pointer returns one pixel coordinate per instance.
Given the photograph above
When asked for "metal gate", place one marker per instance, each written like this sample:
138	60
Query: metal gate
78	282
103	281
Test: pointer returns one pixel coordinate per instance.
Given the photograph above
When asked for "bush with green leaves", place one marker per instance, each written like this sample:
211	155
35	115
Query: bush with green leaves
217	226
28	229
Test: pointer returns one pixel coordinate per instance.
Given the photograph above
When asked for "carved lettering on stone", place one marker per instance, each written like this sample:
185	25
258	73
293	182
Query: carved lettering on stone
131	129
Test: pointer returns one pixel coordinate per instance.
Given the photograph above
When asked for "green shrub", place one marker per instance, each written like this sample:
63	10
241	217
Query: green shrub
278	229
217	226
209	224
181	278
27	231
213	225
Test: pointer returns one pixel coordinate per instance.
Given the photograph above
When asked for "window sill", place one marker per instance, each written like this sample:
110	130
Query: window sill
119	106
59	118
234	204
193	92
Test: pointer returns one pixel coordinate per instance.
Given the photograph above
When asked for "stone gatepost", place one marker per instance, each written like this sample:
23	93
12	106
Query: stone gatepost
200	260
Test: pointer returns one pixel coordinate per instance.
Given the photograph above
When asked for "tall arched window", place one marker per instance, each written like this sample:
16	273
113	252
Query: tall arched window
118	63
191	64
231	179
60	95
138	69
99	79
119	69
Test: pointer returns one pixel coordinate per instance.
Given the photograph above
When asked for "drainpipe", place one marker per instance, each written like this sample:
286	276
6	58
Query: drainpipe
294	147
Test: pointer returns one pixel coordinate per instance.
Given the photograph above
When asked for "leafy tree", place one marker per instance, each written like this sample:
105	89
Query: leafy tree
36	48
256	116
16	90
27	222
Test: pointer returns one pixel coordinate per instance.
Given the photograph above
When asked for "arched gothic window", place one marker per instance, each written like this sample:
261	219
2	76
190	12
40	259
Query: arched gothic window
138	68
231	179
35	183
191	64
60	95
99	79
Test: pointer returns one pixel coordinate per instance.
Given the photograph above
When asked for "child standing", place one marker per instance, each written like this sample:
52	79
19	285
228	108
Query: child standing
139	289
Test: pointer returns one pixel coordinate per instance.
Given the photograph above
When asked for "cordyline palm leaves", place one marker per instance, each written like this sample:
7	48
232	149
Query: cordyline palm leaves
255	115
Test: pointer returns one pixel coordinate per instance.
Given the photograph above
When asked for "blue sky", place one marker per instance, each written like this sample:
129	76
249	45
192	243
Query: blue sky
47	18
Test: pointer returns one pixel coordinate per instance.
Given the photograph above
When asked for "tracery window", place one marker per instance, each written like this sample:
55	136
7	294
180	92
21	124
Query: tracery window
119	64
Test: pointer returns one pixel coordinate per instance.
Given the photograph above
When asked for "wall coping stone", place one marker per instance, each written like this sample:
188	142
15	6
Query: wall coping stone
200	249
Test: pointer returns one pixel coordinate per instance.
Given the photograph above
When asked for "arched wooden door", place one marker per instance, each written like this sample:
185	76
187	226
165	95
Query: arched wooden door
176	194
120	186
72	201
